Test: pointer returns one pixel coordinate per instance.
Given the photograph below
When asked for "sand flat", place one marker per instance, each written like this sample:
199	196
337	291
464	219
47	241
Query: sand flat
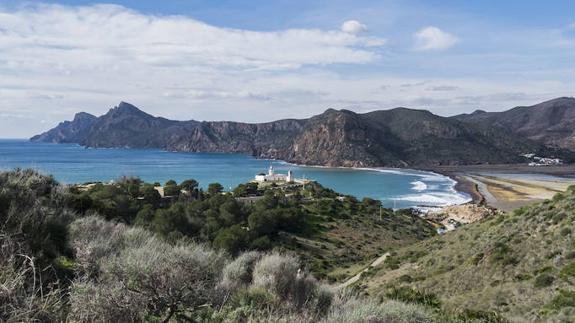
509	191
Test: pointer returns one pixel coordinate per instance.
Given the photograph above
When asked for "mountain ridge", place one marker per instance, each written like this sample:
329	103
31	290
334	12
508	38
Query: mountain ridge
551	122
399	137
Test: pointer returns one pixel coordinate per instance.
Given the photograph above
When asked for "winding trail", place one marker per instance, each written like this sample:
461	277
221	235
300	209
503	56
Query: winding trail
355	278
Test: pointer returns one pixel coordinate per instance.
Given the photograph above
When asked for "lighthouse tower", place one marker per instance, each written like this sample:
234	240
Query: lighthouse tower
289	177
271	171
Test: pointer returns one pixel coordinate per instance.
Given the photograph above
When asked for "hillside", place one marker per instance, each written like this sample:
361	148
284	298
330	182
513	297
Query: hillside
551	122
333	234
521	265
395	138
62	265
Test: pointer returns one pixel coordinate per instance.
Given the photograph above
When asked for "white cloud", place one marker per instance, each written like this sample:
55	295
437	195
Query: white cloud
103	36
58	60
433	38
353	27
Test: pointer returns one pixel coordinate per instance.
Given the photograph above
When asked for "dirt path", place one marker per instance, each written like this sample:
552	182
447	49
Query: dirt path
355	278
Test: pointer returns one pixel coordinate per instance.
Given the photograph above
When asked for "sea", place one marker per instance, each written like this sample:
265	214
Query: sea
71	164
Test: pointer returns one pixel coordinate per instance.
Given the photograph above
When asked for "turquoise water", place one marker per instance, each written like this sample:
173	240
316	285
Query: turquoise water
71	163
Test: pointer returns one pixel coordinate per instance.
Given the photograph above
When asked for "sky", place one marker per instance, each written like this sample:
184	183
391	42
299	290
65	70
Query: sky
257	60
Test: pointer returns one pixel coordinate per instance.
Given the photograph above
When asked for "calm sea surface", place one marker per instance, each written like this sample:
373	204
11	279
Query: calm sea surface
71	163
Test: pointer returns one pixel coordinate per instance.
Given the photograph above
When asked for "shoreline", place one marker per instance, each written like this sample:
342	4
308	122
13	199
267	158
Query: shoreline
491	185
507	187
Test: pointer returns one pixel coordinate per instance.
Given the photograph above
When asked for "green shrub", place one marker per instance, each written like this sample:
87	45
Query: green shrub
469	315
409	295
565	298
543	280
503	254
255	299
568	270
565	232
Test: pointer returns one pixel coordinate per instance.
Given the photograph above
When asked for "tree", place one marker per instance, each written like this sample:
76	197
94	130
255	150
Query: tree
370	206
233	239
215	188
171	190
171	182
145	216
246	189
131	185
150	194
189	185
262	223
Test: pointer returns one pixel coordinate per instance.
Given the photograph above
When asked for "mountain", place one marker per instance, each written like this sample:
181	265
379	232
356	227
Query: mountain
399	137
551	122
520	264
74	131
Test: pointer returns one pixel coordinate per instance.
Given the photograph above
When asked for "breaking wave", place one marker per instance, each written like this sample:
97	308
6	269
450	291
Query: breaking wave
435	199
418	186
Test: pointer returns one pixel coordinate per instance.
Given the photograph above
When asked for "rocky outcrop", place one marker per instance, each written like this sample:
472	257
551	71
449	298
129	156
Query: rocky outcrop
397	138
74	131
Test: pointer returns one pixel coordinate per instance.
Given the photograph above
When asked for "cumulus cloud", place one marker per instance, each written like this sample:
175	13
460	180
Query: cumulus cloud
353	27
108	35
433	38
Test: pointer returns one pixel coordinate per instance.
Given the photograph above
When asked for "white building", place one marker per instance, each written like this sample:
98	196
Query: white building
271	176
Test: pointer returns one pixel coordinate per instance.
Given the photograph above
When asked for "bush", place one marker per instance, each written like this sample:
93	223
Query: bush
469	315
22	298
255	299
565	298
276	273
282	276
503	254
409	295
93	302
233	239
137	270
568	270
348	309
239	272
543	280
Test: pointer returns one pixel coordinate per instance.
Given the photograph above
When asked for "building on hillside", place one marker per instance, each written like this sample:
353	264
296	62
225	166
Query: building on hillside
271	176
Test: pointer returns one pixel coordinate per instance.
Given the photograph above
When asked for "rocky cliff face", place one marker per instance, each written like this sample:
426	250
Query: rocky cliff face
551	122
397	138
74	131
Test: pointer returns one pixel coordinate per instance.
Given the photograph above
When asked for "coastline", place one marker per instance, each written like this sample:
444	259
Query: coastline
461	186
507	187
490	185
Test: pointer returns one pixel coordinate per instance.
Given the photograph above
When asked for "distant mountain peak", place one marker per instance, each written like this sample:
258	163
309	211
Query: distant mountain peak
125	108
84	116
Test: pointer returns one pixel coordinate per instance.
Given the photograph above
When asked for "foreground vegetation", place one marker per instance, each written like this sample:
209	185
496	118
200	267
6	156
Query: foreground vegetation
335	235
520	266
57	264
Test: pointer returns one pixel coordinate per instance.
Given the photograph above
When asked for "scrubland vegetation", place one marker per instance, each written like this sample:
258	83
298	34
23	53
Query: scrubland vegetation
331	233
520	266
94	256
60	264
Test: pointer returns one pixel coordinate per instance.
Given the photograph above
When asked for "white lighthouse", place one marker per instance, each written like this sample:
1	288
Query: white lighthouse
289	177
271	176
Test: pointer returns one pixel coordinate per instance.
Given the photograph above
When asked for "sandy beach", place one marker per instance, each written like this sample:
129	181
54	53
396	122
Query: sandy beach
507	187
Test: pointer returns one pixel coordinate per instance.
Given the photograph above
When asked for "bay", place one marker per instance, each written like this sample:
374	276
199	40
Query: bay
71	163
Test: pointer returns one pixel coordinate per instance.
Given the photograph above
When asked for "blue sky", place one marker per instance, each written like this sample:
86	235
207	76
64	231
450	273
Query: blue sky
263	60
